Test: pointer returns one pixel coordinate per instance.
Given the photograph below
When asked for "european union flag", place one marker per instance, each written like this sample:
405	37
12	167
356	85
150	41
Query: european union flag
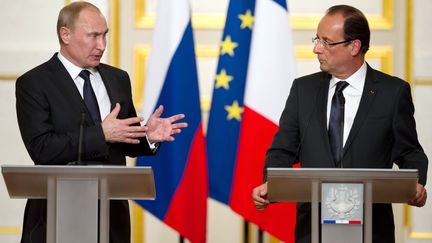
227	102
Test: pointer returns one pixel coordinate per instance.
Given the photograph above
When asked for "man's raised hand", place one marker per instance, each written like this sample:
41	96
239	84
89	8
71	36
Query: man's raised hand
163	129
122	130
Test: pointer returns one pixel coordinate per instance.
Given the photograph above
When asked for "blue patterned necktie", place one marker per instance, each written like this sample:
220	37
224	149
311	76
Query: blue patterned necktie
336	122
90	97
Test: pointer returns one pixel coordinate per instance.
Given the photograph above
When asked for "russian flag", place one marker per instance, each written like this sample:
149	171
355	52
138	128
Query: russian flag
270	71
180	167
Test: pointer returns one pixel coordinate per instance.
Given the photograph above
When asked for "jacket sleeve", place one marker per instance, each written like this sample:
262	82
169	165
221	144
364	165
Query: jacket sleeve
407	152
284	148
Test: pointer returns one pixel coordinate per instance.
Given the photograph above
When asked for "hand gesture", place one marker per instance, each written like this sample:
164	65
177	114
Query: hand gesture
163	129
420	198
259	196
122	130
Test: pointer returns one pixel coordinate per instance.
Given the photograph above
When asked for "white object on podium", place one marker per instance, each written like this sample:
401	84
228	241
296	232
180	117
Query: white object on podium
72	194
305	185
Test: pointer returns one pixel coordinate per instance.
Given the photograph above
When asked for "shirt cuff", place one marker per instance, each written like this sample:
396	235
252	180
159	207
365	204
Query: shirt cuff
152	146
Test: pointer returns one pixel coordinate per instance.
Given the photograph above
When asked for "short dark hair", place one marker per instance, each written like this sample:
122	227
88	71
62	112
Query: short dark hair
356	26
69	14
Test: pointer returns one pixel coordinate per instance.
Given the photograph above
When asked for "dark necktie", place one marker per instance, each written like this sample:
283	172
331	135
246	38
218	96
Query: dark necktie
90	97
336	122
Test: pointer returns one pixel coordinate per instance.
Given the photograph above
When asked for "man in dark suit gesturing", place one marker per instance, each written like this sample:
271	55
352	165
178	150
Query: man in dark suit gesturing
74	90
377	128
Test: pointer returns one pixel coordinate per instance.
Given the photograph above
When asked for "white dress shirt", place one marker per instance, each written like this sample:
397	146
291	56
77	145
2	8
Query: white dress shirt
96	82
352	94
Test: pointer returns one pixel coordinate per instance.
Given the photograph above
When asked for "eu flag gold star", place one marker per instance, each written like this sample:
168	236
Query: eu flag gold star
227	46
234	111
246	20
222	79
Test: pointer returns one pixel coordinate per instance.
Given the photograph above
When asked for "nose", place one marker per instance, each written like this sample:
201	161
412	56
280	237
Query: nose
317	48
101	43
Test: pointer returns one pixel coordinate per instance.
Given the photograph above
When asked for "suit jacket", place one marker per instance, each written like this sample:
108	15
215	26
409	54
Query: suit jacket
383	133
49	110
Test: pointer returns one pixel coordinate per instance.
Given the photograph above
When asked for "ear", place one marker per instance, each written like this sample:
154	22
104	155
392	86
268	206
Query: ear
65	34
356	47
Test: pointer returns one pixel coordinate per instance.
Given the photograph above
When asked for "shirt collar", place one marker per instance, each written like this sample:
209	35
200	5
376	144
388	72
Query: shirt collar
71	68
356	80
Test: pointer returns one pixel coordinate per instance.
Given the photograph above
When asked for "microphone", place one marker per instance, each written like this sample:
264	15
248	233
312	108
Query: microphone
80	141
80	138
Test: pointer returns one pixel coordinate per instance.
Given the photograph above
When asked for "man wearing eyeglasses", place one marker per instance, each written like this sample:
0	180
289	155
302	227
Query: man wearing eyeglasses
346	116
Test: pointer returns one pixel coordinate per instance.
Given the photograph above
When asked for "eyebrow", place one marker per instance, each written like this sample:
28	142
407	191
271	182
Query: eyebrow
325	39
98	33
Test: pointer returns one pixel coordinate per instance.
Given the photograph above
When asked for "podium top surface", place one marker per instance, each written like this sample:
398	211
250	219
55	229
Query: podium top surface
295	184
123	182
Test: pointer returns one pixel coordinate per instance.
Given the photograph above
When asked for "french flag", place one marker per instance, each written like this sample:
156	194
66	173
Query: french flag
180	167
270	70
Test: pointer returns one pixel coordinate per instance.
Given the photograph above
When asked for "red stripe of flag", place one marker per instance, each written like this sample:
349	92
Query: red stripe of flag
255	137
183	202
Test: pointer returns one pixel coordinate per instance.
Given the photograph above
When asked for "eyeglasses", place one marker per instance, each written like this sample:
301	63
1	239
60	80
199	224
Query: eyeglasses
325	44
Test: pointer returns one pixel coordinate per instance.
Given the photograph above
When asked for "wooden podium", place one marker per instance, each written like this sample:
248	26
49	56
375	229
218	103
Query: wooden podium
73	192
306	185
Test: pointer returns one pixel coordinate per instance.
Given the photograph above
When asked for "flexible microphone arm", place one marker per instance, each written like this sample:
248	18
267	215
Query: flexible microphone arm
80	138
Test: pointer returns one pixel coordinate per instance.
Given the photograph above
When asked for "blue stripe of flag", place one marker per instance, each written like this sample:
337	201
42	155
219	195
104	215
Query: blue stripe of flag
282	3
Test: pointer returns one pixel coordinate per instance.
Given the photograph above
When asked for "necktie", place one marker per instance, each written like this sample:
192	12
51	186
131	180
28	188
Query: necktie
336	122
90	97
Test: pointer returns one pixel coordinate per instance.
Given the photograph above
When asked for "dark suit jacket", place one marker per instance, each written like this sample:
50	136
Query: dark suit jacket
49	109
383	133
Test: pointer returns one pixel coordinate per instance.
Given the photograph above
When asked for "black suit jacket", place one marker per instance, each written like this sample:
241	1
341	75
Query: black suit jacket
383	133
49	110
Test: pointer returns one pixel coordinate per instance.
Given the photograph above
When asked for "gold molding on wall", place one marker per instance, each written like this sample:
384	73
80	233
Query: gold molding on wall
114	43
10	230
137	218
8	77
385	55
408	41
140	56
378	22
206	52
420	235
423	81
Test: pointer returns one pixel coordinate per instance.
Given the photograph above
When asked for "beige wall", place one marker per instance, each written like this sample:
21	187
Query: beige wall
28	38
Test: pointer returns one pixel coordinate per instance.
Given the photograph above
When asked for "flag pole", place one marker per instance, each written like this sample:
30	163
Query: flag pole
260	235
245	231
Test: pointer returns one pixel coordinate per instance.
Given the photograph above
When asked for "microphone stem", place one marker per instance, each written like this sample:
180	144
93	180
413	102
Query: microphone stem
80	139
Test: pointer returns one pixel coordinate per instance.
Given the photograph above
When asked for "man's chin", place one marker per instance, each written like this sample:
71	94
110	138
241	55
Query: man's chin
94	63
323	68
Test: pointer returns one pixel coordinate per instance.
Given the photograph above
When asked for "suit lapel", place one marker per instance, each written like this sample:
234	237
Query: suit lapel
110	85
65	84
370	91
322	110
